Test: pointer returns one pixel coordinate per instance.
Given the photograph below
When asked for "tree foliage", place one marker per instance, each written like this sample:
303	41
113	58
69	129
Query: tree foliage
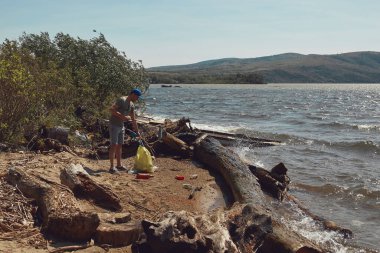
43	80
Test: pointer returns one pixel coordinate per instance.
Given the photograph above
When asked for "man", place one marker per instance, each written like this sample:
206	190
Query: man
121	111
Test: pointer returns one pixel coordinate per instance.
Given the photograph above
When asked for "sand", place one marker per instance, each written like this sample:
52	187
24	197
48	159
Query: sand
143	198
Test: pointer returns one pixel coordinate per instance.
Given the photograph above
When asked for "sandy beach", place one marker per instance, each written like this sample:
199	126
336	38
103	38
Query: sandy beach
143	198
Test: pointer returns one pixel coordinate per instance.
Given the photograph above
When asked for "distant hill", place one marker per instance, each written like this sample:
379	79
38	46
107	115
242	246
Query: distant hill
356	67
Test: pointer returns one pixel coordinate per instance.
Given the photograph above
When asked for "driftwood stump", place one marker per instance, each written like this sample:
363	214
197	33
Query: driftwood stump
60	214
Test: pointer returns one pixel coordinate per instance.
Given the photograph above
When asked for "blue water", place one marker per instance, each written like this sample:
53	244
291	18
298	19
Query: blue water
331	136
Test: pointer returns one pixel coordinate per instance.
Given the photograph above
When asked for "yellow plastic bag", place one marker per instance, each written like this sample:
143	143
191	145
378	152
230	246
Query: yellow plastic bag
143	160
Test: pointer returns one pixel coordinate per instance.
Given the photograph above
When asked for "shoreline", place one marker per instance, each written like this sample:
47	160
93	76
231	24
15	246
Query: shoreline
165	182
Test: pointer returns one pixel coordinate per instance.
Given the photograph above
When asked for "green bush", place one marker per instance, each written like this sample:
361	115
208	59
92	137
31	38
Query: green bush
43	81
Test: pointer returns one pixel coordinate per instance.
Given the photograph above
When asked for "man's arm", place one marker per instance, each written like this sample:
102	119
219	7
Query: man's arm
117	114
134	122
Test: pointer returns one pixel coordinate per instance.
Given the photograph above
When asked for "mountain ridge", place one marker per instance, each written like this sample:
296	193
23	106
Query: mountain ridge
362	66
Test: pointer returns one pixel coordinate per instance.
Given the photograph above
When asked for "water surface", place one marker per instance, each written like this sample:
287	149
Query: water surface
331	134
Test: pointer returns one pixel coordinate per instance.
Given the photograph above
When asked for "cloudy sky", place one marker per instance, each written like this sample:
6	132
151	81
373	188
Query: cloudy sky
171	32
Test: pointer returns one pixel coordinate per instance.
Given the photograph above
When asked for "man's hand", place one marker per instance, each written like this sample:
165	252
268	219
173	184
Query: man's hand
127	118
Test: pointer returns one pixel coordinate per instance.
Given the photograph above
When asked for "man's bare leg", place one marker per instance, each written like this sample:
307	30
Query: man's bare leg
118	155
112	154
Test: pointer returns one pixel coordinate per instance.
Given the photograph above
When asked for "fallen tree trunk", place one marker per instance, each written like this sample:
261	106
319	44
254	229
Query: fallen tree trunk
61	217
246	189
240	180
78	180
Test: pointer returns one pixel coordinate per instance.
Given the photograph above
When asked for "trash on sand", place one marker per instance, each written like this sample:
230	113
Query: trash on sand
194	190
179	177
143	160
187	186
194	176
143	176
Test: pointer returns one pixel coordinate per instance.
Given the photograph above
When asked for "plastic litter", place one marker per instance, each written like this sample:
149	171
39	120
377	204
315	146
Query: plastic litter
194	176
143	160
143	176
179	177
187	186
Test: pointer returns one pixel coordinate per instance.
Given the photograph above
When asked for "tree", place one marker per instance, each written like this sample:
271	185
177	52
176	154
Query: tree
45	79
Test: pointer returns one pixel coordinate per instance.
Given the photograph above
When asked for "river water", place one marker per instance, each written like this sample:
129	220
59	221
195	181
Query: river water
331	137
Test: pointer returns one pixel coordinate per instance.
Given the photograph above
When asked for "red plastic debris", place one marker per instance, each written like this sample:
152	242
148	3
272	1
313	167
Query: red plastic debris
143	176
178	177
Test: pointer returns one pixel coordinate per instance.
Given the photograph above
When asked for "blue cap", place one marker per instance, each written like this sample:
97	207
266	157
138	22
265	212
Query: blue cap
136	92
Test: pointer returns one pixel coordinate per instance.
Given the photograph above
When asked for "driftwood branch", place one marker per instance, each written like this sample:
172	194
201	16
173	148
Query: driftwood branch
79	181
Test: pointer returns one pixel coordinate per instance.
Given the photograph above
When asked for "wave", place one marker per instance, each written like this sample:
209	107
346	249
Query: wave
361	127
358	146
289	139
285	138
350	193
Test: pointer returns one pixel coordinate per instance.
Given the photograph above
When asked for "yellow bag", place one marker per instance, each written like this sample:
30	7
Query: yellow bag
143	160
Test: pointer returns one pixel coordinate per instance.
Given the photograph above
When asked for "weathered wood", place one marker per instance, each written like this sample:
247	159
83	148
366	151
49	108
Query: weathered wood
61	216
71	248
246	189
78	180
176	145
243	228
240	180
270	182
117	234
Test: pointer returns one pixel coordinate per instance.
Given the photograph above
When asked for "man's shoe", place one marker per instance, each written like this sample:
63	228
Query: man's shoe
113	170
121	168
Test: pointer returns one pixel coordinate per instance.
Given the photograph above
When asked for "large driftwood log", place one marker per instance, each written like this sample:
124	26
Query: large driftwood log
60	214
235	172
246	189
79	181
243	228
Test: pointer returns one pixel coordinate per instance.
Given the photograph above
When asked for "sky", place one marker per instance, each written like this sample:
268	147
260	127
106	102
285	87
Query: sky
174	32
